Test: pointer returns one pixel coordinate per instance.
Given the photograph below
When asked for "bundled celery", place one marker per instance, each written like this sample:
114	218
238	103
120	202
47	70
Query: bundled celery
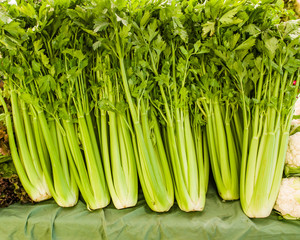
39	134
110	117
75	104
217	96
150	155
167	72
23	148
224	134
264	72
32	178
116	137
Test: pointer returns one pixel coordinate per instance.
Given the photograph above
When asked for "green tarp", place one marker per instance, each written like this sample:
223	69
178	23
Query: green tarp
219	220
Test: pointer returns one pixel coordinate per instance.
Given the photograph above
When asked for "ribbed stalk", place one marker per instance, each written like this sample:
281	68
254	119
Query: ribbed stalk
262	166
222	146
78	167
157	184
38	191
64	193
159	196
22	140
96	175
118	154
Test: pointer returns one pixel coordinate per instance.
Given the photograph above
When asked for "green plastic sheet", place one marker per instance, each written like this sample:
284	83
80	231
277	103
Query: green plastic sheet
219	220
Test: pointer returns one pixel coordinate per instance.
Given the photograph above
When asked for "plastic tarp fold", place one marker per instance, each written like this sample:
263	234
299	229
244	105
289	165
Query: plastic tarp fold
219	220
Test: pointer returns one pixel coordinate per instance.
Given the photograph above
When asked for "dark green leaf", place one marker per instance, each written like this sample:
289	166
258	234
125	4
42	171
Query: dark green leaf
18	72
100	25
228	17
197	45
45	60
271	45
145	18
14	29
38	45
46	83
125	31
250	42
36	66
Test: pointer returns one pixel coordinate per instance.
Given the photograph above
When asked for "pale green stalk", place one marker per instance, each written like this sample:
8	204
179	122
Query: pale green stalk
37	190
159	196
